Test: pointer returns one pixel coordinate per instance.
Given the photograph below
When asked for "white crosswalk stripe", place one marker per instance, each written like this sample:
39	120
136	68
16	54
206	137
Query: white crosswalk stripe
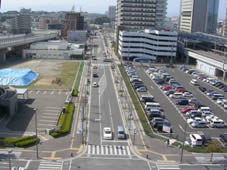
50	165
167	166
51	92
111	150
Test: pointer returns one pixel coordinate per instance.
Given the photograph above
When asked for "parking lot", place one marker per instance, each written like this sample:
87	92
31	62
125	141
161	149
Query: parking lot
172	111
49	105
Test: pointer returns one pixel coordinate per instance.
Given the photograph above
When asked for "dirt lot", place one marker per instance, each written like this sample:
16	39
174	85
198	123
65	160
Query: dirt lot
53	74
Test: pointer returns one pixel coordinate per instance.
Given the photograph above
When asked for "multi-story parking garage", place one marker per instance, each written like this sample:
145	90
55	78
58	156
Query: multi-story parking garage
152	44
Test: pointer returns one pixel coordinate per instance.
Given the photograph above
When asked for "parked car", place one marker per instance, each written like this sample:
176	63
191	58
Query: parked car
196	140
223	139
169	92
166	88
147	98
199	124
220	99
209	92
176	95
95	75
217	123
206	138
217	95
182	102
194	82
203	89
180	89
141	89
187	109
187	94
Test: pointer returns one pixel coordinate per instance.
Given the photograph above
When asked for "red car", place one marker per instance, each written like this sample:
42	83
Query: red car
187	109
180	89
166	88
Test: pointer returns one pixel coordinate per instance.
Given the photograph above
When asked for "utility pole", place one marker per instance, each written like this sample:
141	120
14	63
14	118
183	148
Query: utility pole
9	152
36	134
182	149
134	136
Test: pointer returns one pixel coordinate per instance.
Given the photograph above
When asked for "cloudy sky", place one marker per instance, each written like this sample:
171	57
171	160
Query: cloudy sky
97	6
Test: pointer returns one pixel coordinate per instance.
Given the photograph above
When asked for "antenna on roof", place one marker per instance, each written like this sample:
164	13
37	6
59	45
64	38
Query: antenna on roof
73	8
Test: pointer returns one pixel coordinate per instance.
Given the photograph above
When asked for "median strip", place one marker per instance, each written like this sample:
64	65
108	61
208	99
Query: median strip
77	84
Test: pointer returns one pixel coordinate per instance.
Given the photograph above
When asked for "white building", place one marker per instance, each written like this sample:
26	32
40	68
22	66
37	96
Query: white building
54	50
152	44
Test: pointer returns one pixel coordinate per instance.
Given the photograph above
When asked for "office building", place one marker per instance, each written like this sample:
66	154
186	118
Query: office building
156	45
112	13
21	24
225	26
73	21
79	37
199	16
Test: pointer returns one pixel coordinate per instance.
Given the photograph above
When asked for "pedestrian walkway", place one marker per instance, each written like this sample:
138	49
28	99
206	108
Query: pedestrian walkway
112	150
50	165
167	166
47	92
4	165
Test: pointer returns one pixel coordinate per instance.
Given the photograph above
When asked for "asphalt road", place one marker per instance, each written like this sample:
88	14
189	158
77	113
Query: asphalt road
104	111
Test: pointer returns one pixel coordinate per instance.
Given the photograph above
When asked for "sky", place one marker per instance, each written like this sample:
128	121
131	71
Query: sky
91	6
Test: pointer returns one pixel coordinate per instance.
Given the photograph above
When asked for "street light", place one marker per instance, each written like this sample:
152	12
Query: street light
9	152
36	134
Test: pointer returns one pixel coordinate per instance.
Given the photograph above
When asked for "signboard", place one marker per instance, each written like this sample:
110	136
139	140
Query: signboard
166	129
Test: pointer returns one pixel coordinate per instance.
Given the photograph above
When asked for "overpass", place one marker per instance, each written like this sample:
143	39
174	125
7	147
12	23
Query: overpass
22	40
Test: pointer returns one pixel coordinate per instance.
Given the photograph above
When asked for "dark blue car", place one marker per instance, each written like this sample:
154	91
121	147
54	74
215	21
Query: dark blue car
182	102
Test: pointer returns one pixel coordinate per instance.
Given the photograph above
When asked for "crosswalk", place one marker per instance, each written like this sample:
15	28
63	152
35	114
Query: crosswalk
167	166
48	92
50	165
112	150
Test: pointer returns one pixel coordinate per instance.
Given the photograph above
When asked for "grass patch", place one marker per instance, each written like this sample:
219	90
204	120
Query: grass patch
78	78
136	103
19	142
65	122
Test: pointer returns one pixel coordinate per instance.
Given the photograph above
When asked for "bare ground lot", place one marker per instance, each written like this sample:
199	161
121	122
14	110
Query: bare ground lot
53	74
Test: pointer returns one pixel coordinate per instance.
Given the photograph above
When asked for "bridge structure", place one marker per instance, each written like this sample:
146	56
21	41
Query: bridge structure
22	41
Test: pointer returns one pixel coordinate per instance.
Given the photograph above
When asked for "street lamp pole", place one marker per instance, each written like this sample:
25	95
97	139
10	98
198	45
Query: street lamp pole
36	134
182	149
9	152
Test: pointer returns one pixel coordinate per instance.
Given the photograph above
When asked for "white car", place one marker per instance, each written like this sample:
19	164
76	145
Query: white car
141	89
95	84
107	133
187	94
194	82
210	117
217	123
220	100
176	95
196	119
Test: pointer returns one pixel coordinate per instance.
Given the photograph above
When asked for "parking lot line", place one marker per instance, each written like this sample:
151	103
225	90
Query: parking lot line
47	117
52	93
46	125
42	120
50	113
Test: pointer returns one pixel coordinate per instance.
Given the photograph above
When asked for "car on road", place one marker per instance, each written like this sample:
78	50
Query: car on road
194	82
187	109
146	98
95	84
141	89
223	139
182	102
121	132
95	75
107	133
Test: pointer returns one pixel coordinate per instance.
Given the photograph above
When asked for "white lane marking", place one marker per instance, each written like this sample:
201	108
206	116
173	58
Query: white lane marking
44	92
97	149
124	151
46	125
27	164
93	149
119	150
106	150
111	117
102	150
128	150
52	121
59	92
115	149
37	92
50	113
111	150
52	93
89	149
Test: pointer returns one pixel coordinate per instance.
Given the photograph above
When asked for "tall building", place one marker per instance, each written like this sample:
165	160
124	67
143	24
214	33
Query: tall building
140	14
225	25
73	21
21	24
112	12
199	16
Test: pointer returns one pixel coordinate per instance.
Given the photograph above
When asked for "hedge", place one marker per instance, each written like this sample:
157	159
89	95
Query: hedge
18	142
136	103
78	78
66	122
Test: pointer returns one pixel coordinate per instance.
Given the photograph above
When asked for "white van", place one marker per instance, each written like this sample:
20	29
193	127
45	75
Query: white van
152	105
196	140
204	109
176	95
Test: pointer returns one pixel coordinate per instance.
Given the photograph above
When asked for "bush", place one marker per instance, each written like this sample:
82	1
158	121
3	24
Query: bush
78	78
61	119
75	92
18	142
66	124
27	142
